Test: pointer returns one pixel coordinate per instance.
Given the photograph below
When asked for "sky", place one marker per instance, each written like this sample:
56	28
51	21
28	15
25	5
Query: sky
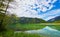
44	9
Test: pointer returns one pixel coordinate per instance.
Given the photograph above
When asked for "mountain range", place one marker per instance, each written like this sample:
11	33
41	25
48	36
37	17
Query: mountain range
54	19
38	20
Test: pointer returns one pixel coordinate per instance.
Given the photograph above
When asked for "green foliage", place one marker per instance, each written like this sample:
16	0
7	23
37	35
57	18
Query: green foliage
25	20
3	10
1	16
9	20
8	33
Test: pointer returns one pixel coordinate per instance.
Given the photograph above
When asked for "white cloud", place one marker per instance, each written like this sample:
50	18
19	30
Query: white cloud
51	14
23	8
24	5
54	1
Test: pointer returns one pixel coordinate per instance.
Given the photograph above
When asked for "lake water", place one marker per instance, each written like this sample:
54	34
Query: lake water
47	31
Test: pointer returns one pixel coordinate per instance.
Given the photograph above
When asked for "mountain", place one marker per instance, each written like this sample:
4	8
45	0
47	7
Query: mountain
31	20
56	19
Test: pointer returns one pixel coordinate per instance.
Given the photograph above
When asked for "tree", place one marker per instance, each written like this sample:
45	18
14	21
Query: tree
10	21
3	10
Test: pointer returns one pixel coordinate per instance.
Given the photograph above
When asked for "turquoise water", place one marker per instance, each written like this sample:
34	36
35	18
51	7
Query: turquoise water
47	31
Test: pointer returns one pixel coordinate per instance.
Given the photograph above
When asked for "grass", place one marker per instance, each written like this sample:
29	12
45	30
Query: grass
8	33
20	34
24	27
31	26
26	35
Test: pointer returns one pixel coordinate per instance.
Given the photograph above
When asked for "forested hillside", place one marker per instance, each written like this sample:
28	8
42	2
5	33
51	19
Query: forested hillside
31	20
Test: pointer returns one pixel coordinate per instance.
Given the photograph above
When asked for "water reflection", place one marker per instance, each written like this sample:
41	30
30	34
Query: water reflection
47	31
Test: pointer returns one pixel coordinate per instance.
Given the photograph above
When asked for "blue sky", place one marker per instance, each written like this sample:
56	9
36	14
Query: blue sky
44	9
